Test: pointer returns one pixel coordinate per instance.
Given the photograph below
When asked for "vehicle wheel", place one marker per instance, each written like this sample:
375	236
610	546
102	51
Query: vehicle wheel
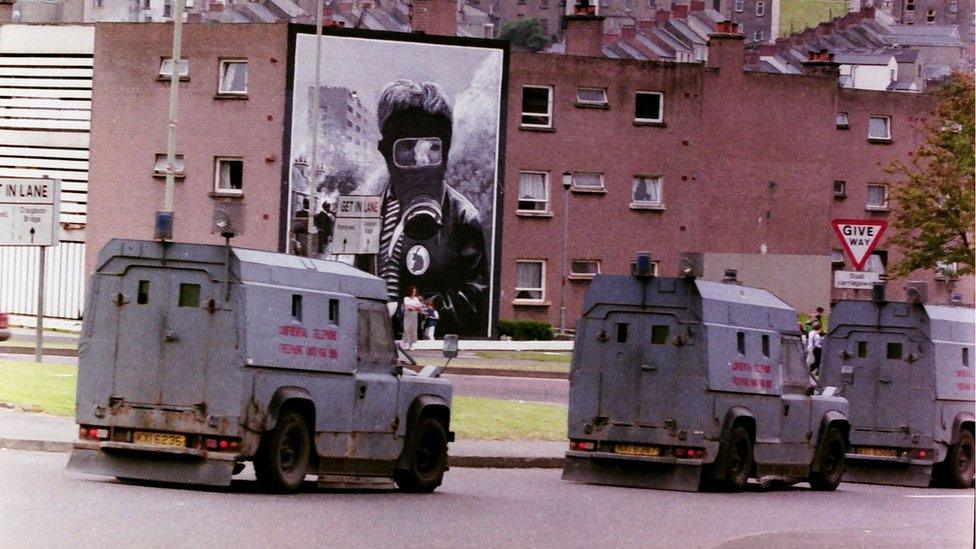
832	462
959	462
738	462
427	454
281	461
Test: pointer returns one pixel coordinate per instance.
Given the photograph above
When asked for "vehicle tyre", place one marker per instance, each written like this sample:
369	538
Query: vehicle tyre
959	462
427	456
281	461
832	462
738	460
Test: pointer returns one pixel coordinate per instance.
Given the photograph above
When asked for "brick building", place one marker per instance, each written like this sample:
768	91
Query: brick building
747	168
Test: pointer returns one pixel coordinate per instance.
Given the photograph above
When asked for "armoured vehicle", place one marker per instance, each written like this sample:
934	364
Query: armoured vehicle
907	370
679	383
196	358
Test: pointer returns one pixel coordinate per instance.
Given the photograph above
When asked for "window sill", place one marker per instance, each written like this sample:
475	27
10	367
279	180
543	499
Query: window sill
879	141
588	191
600	106
651	123
544	129
161	78
843	127
220	95
178	176
529	303
532	213
214	194
876	208
581	277
649	207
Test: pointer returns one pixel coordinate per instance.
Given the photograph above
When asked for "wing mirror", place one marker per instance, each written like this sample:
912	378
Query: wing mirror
450	346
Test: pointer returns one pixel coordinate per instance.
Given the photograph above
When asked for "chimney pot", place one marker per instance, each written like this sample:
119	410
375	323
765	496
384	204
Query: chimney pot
584	35
680	12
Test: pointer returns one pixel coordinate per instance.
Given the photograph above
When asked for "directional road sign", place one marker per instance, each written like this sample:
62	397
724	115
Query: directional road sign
859	237
29	211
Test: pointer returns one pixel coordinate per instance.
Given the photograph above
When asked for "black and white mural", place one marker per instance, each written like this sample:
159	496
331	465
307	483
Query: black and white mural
418	126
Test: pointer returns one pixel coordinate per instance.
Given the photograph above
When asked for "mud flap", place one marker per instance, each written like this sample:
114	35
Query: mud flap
892	474
209	472
661	476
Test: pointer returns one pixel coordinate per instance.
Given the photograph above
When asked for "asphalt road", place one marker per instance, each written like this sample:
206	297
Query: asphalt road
42	505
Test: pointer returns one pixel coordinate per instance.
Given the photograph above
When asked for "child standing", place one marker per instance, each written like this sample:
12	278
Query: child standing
430	319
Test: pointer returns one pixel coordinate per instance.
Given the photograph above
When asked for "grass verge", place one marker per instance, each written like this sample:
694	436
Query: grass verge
41	387
30	343
808	13
532	356
493	419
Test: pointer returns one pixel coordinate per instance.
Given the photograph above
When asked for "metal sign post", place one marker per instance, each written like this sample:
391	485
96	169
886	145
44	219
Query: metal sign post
29	210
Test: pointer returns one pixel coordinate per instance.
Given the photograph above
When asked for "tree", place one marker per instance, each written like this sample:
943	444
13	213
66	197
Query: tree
933	224
526	33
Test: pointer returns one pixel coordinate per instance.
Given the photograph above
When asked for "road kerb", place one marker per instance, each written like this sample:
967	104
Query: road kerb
34	445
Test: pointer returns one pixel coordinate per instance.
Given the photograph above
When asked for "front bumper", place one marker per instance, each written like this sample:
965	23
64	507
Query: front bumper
154	463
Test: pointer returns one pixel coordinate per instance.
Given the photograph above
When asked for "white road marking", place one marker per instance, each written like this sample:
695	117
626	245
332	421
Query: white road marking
970	496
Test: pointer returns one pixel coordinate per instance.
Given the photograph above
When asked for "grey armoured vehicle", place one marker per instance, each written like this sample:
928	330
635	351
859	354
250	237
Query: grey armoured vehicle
196	358
907	370
677	383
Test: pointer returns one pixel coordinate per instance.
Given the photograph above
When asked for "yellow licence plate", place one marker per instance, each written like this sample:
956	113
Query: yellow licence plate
632	450
158	439
878	452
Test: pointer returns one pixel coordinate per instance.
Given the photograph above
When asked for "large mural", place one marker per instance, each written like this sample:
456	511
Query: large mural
416	126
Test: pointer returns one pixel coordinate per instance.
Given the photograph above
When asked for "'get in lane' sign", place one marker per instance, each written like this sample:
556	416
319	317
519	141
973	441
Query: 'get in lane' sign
859	237
29	211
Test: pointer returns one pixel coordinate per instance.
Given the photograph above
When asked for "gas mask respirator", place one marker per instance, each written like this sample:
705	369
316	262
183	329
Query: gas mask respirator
417	174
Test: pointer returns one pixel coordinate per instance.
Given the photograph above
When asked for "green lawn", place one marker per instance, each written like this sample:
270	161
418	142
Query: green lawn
808	13
43	387
491	419
533	356
30	343
495	364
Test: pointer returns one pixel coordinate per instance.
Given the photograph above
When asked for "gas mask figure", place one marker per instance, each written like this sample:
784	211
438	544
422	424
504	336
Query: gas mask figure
431	236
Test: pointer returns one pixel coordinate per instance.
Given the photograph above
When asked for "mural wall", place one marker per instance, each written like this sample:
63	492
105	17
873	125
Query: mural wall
416	125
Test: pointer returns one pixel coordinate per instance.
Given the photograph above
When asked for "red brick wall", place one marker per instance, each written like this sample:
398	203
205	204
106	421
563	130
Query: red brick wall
434	17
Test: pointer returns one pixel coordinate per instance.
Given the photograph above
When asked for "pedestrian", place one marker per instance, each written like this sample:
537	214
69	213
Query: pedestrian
412	307
430	320
815	346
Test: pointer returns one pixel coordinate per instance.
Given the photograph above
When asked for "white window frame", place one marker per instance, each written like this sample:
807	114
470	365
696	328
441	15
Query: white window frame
887	120
542	290
545	181
740	5
217	189
581	101
548	114
224	63
660	118
587	188
179	167
164	75
576	275
760	8
876	207
757	35
910	5
647	204
842	120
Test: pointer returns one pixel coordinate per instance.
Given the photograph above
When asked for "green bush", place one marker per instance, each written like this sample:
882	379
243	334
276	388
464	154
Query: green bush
525	330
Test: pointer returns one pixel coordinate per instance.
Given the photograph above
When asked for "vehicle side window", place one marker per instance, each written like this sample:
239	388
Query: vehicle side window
862	349
334	311
142	297
381	335
296	307
659	335
765	345
189	295
740	341
796	375
965	356
622	332
894	351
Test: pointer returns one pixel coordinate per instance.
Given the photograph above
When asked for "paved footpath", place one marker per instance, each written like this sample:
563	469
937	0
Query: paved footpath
43	432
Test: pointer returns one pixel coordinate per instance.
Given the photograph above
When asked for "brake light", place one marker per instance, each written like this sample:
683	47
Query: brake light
93	433
919	453
3	320
586	446
221	444
689	452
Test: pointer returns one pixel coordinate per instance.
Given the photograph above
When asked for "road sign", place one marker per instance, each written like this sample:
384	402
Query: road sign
355	236
358	207
29	211
859	237
855	280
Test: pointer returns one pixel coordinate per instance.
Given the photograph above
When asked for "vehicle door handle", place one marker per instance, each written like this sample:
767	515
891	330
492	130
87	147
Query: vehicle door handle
169	336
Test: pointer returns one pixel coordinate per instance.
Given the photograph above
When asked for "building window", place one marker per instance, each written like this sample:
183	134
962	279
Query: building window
877	197
842	121
584	268
740	5
629	5
233	77
758	35
537	106
229	177
953	6
909	5
879	127
591	96
544	4
840	188
877	262
592	182
167	10
930	16
529	277
159	169
646	192
533	194
760	8
166	69
649	107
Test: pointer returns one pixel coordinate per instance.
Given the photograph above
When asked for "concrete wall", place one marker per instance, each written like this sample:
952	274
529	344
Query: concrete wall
803	281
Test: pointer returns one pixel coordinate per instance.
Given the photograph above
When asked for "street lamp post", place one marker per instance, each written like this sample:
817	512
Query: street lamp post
313	171
164	217
567	183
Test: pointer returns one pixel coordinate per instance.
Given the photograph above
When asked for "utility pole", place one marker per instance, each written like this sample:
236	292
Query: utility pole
313	179
164	218
567	183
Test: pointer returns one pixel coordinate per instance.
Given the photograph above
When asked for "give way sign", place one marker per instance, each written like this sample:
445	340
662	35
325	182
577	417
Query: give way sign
859	237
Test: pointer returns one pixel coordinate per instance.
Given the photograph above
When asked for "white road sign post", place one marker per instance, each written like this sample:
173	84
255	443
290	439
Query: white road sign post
357	225
29	211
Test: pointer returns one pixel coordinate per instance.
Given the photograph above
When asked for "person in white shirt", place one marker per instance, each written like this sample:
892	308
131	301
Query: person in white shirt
412	307
815	346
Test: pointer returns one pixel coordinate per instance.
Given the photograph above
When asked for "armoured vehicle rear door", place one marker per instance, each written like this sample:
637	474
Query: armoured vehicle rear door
796	405
659	368
861	352
620	383
892	410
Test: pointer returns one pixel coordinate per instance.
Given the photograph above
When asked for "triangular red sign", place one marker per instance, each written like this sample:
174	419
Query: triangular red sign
859	237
